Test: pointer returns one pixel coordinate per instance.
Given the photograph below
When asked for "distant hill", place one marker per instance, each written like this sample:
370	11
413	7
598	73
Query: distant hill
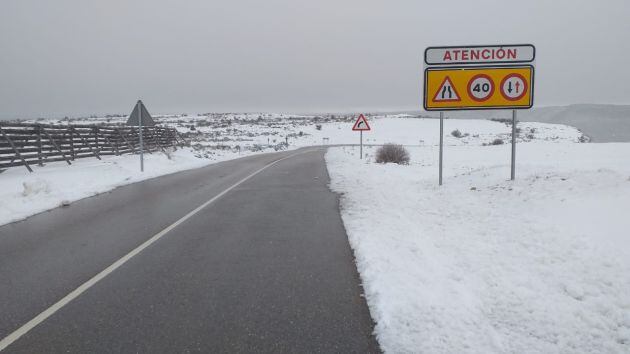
601	122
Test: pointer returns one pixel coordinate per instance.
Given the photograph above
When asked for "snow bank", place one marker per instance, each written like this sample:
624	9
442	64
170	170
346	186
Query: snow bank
486	265
23	194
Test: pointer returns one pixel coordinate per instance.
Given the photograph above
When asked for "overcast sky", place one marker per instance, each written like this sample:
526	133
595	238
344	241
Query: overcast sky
78	57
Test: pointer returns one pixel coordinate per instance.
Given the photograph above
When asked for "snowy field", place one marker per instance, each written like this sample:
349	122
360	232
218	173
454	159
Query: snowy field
220	137
486	265
479	265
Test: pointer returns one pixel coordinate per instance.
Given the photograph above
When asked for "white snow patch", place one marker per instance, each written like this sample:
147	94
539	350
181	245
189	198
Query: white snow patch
34	187
486	265
23	194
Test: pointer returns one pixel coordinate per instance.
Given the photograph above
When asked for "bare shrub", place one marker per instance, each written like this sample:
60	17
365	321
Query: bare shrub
497	142
256	147
392	153
456	133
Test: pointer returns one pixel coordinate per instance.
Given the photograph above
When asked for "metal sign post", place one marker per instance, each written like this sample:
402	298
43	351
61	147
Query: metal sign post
441	143
513	170
361	145
140	118
140	134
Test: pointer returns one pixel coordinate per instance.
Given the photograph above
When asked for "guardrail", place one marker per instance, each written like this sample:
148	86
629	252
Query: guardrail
24	144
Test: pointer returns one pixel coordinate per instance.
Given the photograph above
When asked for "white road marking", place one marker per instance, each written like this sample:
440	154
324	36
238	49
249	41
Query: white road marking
8	340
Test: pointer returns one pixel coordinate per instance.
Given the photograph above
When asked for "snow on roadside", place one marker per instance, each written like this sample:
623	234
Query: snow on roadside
414	131
486	265
23	194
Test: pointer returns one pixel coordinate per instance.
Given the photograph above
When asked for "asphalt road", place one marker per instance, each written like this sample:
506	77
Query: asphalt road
265	268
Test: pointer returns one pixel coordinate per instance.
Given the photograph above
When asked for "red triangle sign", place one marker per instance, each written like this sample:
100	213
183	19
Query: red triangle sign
361	124
446	92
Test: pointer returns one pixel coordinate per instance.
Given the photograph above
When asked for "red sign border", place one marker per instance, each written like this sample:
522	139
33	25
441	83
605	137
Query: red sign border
361	118
459	97
472	97
524	90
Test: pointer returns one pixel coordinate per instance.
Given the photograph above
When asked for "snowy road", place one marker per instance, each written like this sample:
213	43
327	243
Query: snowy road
266	267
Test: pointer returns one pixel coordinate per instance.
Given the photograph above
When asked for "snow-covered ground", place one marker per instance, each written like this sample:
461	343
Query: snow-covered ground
487	265
480	264
226	136
23	194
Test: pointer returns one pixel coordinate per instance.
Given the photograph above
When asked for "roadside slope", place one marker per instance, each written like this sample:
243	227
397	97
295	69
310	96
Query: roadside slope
485	265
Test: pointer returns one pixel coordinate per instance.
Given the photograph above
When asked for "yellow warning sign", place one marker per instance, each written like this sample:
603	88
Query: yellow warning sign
461	88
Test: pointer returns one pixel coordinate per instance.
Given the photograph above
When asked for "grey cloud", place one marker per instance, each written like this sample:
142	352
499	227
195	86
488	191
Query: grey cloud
70	57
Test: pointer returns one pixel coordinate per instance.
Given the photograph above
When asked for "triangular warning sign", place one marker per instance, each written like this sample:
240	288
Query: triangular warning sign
134	117
361	123
446	92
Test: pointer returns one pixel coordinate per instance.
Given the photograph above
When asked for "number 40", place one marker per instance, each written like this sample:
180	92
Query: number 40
485	87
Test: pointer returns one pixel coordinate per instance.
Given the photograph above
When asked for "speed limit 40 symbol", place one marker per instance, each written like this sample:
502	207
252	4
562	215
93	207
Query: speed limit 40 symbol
480	87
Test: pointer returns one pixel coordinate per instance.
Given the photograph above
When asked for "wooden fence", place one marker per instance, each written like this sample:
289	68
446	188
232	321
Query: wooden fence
31	144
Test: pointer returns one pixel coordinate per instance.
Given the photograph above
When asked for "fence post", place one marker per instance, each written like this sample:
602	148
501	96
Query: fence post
156	138
72	143
139	105
87	143
96	139
114	147
17	152
131	146
39	144
52	141
117	146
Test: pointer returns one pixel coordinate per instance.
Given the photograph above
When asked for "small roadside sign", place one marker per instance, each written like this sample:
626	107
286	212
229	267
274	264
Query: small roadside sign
139	110
140	117
361	124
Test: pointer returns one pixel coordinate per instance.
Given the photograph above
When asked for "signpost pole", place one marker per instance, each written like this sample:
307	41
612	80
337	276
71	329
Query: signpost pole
441	143
140	135
361	124
513	169
361	145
